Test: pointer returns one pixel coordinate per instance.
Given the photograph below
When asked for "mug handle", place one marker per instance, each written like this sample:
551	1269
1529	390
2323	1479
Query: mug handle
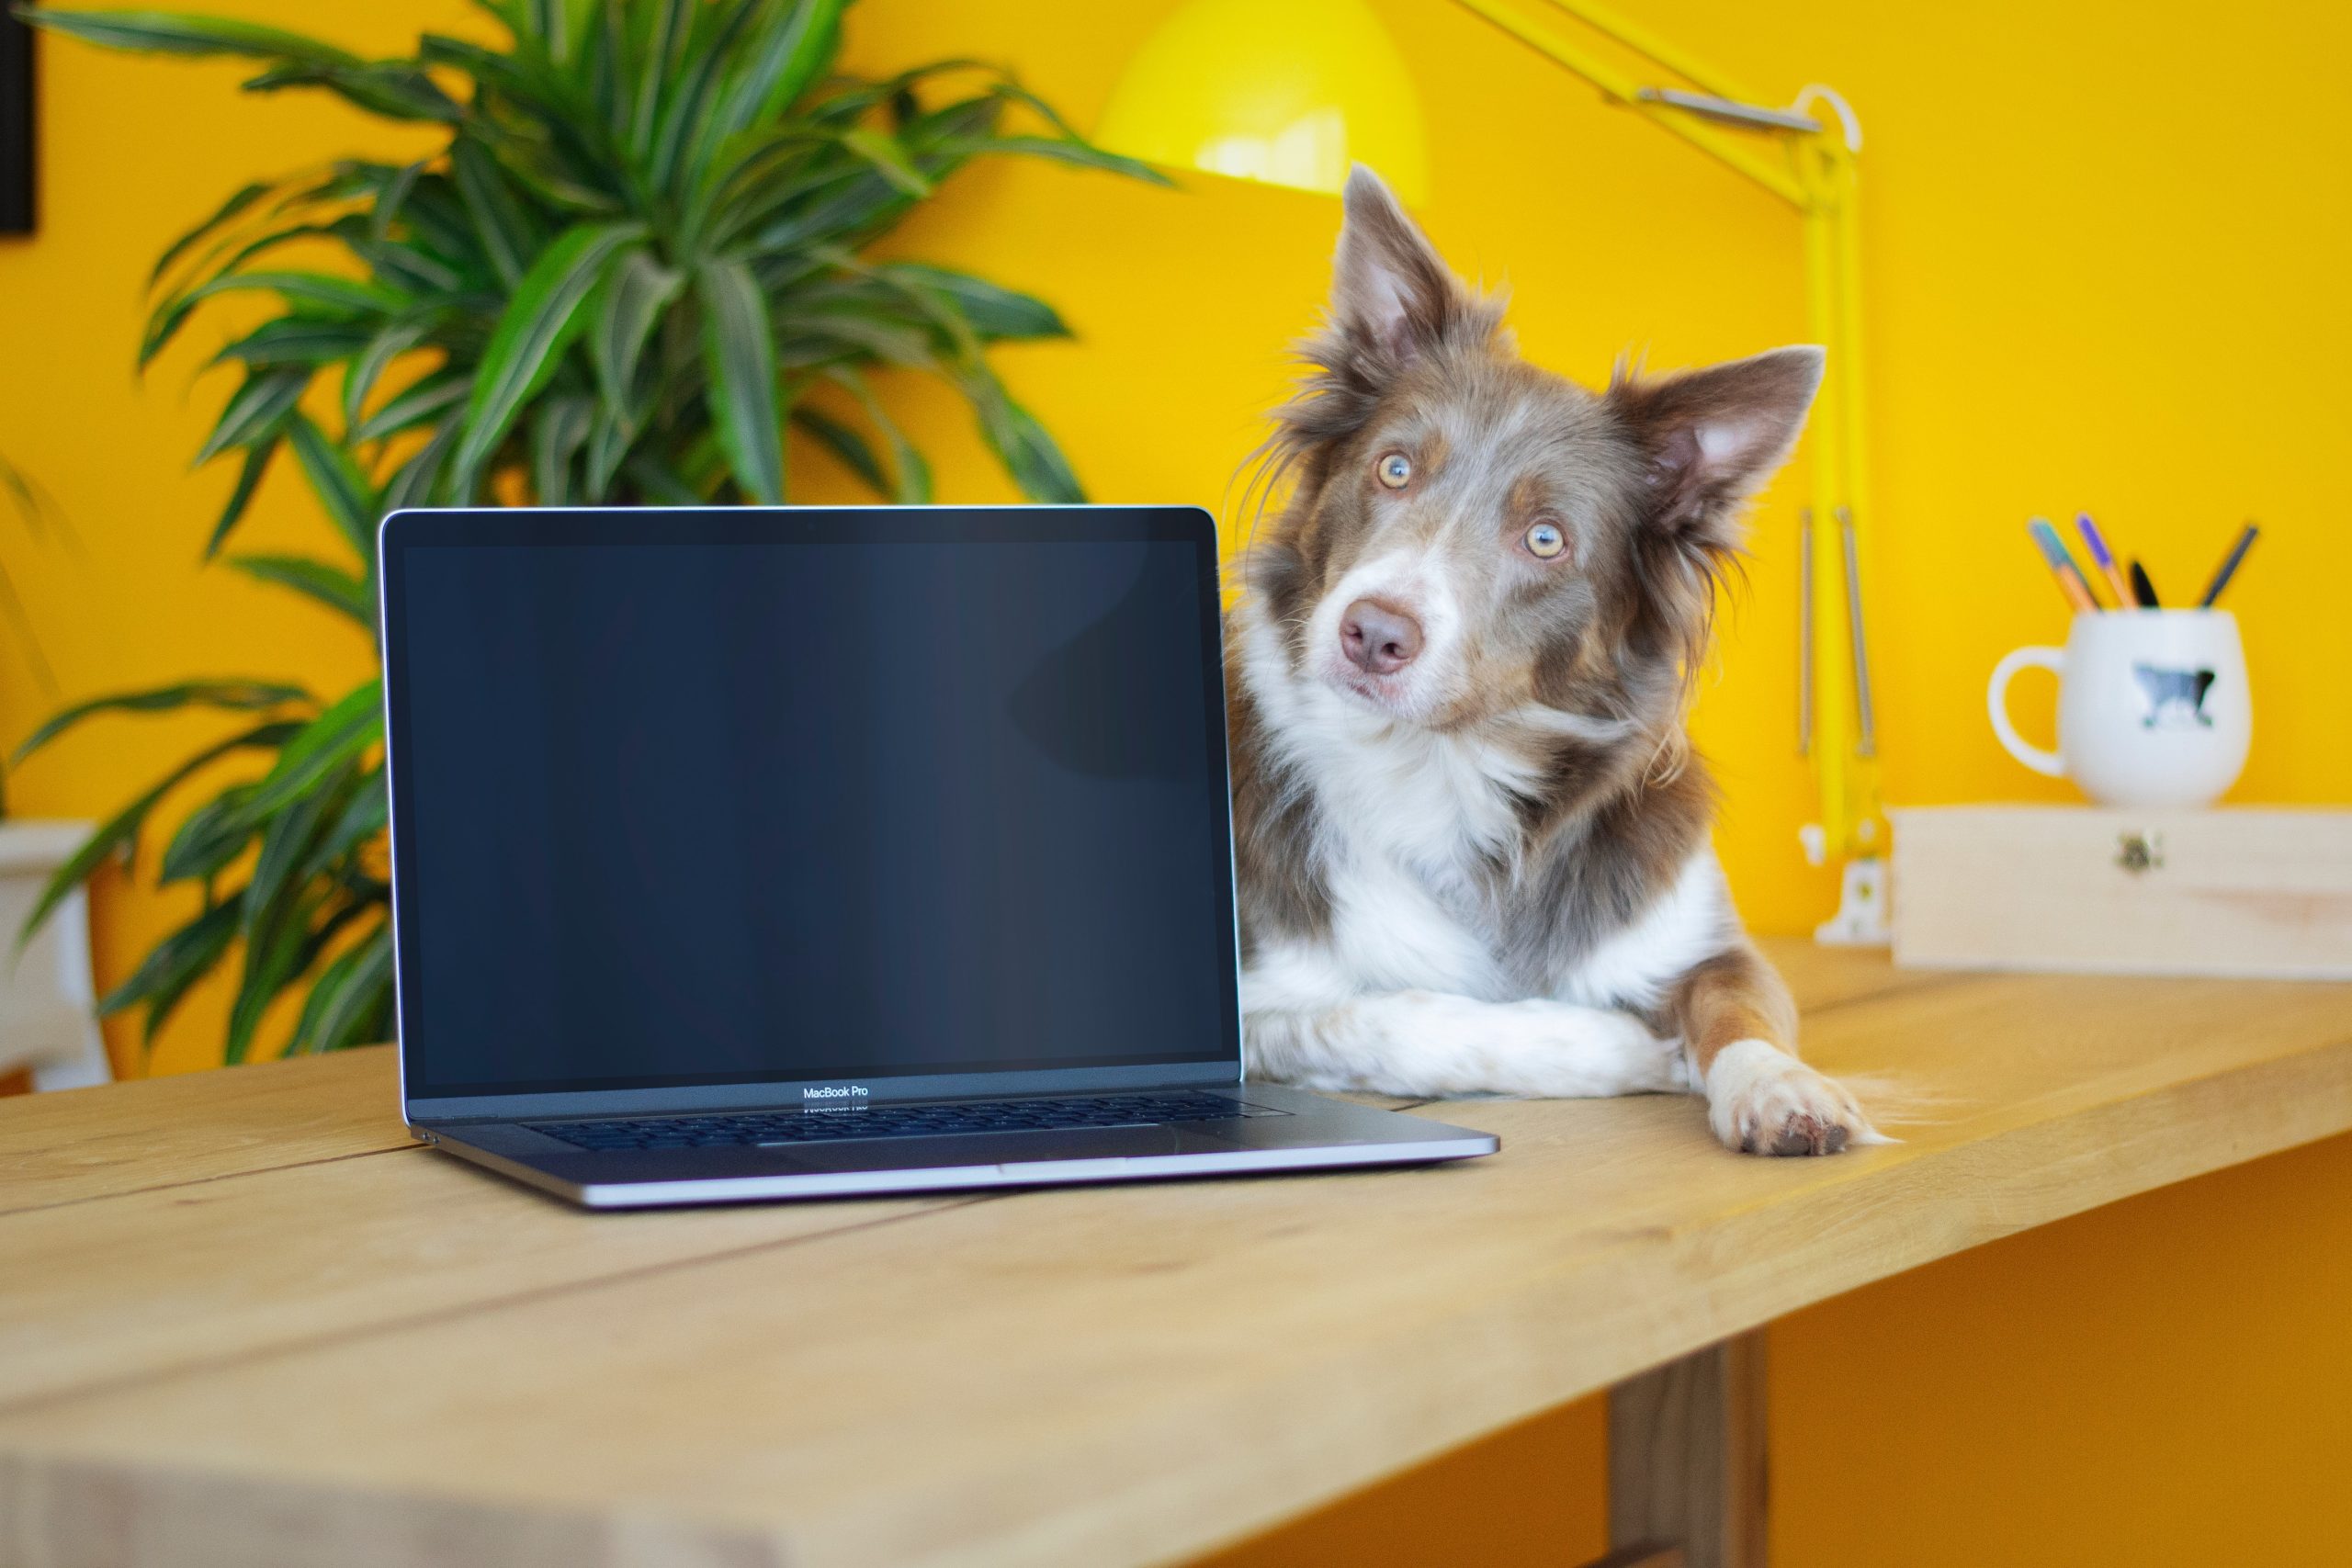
1997	707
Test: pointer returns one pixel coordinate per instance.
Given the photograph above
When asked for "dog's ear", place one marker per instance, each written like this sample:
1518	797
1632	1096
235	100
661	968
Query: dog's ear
1392	299
1710	438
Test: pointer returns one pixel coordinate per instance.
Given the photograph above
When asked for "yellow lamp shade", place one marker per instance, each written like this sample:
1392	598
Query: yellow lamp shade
1288	92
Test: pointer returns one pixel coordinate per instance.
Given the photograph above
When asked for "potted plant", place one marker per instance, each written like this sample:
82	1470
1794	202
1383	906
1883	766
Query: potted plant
638	255
45	990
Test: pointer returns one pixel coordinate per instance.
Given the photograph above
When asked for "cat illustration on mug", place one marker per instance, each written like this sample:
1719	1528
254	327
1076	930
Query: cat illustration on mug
2175	697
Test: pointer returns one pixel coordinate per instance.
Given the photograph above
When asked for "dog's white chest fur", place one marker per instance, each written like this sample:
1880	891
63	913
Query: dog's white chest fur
1407	826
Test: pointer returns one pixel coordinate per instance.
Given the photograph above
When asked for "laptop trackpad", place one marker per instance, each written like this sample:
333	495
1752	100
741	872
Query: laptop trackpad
1000	1148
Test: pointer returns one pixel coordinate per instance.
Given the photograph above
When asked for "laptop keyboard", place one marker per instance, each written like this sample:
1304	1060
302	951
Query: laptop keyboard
763	1128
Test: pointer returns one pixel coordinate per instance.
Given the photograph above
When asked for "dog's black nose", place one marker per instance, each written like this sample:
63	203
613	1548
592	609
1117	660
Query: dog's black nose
1380	639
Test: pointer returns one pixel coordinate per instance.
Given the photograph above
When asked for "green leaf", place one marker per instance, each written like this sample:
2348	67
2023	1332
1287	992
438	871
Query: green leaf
389	342
362	822
256	412
120	831
1073	151
663	485
391	90
634	294
794	40
708	47
657	33
531	335
330	585
162	326
226	213
272	961
866	204
406	265
351	1004
800	53
174	965
417	404
889	160
315	293
556	436
390	197
569	178
508	233
417	479
1021	443
342	488
605	60
295	339
912	485
241	496
235	696
851	331
290	211
209	837
993	311
738	354
873	309
326	743
286	842
845	445
608	444
161	32
438	224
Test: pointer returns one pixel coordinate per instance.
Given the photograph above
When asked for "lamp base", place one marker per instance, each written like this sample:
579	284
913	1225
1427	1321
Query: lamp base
1860	919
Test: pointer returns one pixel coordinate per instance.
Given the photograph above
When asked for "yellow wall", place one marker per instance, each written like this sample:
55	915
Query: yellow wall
2106	247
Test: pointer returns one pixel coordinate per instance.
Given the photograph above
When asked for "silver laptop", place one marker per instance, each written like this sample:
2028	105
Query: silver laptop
792	853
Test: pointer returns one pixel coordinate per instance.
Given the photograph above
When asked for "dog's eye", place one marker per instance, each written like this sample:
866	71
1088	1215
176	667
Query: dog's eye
1546	540
1395	470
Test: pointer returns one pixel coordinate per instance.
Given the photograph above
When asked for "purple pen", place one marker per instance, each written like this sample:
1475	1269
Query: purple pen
2105	559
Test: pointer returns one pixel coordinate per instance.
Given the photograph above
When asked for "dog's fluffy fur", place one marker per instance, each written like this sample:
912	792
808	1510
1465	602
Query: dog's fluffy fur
1486	869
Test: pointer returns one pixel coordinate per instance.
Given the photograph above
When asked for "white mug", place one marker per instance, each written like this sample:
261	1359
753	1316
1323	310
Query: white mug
2151	708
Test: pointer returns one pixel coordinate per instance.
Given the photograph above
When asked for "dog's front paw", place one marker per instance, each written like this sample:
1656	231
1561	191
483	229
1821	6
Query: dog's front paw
1762	1100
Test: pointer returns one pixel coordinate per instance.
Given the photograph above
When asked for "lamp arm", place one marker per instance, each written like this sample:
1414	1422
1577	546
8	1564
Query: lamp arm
1622	90
1656	49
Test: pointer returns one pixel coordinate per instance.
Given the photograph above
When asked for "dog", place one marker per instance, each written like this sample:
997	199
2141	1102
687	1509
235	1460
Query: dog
1473	843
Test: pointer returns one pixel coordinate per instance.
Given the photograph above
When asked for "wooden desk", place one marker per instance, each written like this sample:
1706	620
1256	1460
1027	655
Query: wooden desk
244	1321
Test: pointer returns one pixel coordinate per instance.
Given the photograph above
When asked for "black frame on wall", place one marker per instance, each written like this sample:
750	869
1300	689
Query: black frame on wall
17	209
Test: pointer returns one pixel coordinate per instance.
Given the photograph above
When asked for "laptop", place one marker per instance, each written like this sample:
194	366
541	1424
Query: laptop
793	853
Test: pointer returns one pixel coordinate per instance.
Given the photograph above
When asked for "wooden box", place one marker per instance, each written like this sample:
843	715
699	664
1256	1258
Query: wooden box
2244	892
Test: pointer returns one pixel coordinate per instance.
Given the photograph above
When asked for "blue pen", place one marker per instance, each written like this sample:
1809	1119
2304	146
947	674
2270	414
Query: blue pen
2071	581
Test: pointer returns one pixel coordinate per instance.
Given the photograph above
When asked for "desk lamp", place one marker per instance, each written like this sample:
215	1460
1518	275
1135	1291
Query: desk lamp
1292	92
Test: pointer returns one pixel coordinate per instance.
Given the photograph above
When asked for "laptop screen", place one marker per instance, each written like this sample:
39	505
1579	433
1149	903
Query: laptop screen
735	797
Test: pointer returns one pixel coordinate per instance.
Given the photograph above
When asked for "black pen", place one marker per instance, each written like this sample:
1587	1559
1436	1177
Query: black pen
2229	568
2142	589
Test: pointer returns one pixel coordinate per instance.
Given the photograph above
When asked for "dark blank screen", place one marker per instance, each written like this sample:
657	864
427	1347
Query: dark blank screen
807	808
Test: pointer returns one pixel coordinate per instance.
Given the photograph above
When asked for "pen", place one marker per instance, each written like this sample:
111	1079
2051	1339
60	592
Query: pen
2061	565
2104	558
2229	568
2143	589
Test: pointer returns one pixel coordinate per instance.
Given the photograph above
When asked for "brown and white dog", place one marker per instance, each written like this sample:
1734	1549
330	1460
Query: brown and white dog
1474	844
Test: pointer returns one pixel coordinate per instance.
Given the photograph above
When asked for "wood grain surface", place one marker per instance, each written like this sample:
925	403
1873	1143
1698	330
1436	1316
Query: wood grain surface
223	1344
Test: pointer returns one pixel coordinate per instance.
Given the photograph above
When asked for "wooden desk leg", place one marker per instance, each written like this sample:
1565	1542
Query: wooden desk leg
1687	1468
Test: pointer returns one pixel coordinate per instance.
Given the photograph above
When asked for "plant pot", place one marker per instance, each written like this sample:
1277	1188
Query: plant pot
46	1022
